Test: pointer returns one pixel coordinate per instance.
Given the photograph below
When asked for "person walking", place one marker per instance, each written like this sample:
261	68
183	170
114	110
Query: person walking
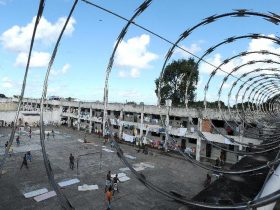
11	150
24	162
53	133
115	184
71	161
48	135
17	140
29	156
108	182
108	196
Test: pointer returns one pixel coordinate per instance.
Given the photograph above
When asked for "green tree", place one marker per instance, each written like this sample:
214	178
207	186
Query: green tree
178	76
2	95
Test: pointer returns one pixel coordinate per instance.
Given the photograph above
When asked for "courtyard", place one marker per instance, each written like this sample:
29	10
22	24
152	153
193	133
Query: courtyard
94	161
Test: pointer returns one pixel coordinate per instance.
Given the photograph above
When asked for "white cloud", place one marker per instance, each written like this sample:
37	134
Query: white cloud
63	70
18	38
194	48
7	85
215	60
134	54
133	73
122	74
6	82
227	85
38	59
253	45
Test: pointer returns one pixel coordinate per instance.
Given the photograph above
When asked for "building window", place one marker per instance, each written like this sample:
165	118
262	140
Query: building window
231	147
155	134
218	123
192	141
157	117
195	121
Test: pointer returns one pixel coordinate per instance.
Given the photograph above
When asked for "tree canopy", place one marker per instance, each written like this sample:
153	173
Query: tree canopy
2	95
176	77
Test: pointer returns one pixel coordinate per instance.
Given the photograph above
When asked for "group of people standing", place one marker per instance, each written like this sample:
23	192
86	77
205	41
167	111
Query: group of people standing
111	185
48	134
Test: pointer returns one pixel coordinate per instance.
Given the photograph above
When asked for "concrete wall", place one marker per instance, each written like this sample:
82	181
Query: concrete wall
10	106
49	117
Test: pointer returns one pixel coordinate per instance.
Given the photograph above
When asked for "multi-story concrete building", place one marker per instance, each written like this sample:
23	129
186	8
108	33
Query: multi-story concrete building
129	121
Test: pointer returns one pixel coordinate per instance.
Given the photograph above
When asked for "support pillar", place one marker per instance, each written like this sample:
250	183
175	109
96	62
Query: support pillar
166	130
142	125
120	124
79	116
60	113
198	141
189	125
90	120
68	122
241	134
168	104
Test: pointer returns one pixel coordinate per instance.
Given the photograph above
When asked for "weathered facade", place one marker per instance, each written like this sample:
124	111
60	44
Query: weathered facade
129	121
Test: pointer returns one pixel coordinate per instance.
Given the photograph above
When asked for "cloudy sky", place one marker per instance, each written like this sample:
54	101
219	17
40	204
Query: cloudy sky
79	68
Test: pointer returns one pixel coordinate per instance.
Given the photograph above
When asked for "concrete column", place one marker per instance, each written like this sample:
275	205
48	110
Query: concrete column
167	128
105	118
120	124
60	113
142	125
198	141
90	120
189	125
68	122
60	109
241	134
79	117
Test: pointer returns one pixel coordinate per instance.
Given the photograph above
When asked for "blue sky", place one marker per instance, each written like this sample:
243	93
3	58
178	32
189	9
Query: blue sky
79	68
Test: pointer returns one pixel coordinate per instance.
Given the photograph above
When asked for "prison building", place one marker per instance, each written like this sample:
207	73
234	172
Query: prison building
131	121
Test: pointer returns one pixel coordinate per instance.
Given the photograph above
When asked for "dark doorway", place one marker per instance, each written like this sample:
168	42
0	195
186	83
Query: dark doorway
71	122
223	156
208	150
183	144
